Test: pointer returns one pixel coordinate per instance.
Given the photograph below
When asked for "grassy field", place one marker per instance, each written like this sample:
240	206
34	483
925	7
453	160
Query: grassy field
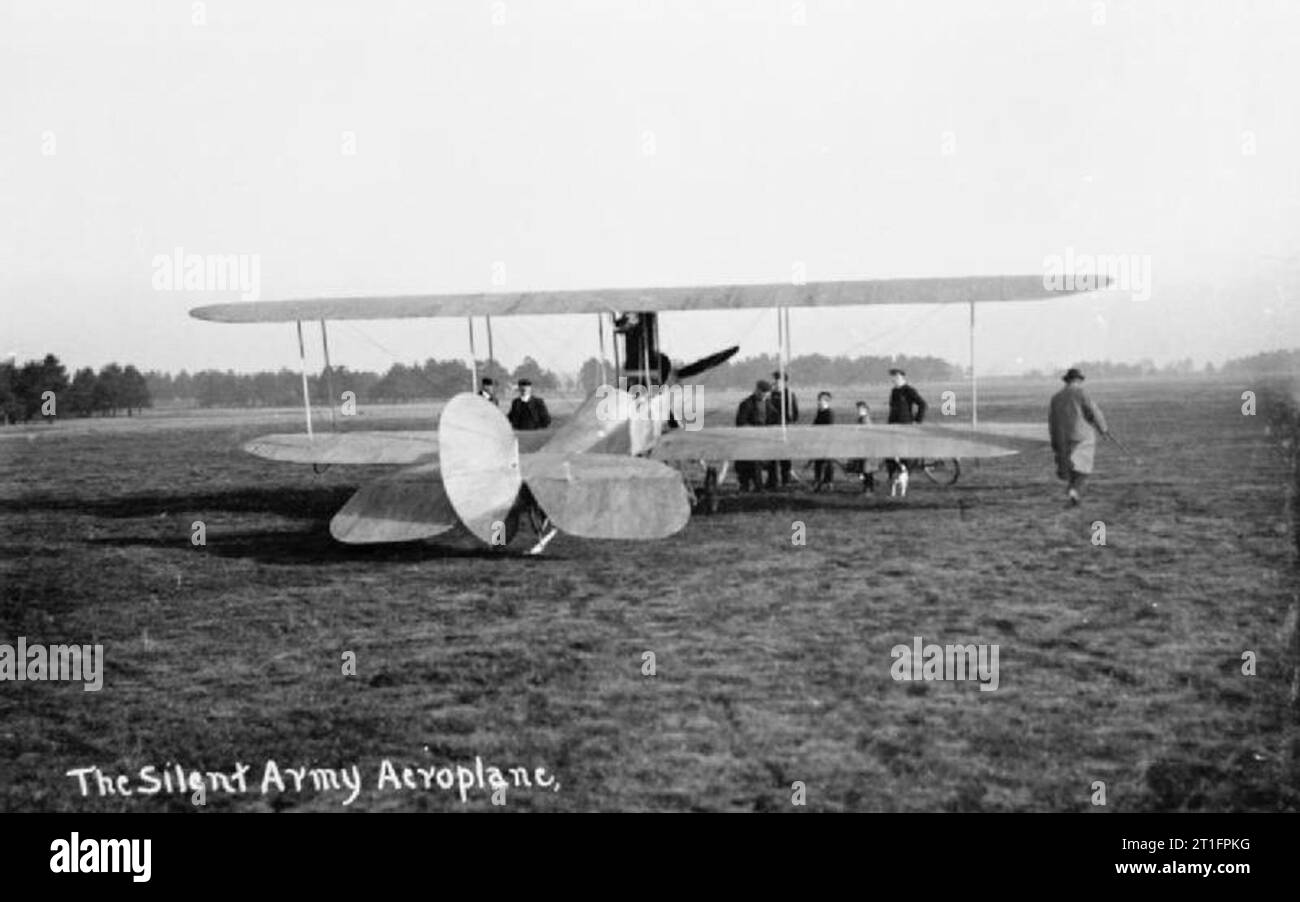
1120	663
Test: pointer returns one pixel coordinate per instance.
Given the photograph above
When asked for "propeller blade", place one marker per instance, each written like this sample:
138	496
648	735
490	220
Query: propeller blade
403	507
608	496
479	457
706	363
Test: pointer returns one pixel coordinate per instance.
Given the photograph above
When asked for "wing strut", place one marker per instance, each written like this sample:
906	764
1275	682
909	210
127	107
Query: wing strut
782	323
473	362
487	321
329	375
974	384
306	393
788	352
613	337
645	357
600	329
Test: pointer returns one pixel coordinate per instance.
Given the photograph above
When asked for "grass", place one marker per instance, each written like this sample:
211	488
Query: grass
1119	663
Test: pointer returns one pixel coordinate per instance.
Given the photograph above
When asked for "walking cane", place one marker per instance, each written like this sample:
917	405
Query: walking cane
1133	457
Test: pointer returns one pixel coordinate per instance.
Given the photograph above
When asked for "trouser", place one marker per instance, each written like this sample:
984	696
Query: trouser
749	474
1074	479
823	471
772	467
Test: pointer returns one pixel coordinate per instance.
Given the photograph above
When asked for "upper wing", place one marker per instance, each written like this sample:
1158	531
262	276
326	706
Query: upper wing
962	289
811	442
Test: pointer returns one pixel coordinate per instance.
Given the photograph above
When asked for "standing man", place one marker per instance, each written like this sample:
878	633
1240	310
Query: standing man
781	394
1071	420
752	412
906	406
527	411
823	470
865	467
488	390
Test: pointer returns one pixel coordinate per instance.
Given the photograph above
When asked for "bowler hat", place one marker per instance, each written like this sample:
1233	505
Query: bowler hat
1072	373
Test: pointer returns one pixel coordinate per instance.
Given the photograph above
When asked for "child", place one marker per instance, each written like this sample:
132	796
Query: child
864	467
823	470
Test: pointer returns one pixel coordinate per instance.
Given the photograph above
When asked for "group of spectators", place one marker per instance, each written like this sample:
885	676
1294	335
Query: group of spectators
1074	421
764	407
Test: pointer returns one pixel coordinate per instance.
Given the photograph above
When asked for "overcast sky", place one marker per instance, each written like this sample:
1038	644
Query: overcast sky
373	147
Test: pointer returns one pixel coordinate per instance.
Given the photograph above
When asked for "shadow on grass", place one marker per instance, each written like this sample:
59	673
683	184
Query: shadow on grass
322	502
316	503
770	502
317	546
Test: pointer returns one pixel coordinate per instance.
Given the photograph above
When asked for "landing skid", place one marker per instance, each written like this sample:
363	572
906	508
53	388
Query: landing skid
542	528
544	541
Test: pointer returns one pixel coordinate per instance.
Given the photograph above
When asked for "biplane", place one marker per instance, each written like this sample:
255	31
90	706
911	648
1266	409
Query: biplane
601	475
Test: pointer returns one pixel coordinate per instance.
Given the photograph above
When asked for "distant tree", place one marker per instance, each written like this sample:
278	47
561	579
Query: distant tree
183	386
447	377
11	408
543	380
135	391
1267	363
81	394
589	375
492	369
160	385
32	381
400	383
107	395
54	378
26	388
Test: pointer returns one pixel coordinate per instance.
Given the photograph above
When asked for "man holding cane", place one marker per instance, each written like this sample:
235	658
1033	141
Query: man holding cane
1071	421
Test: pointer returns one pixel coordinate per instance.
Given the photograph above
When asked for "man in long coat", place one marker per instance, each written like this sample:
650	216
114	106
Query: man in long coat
778	471
752	412
1074	422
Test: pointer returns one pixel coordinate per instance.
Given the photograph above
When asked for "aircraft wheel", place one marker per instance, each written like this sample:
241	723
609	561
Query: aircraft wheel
942	472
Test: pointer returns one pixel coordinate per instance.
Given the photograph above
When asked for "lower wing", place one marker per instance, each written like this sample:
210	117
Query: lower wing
346	447
812	442
376	447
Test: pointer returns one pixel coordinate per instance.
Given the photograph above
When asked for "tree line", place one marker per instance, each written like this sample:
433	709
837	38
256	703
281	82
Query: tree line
41	388
283	388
